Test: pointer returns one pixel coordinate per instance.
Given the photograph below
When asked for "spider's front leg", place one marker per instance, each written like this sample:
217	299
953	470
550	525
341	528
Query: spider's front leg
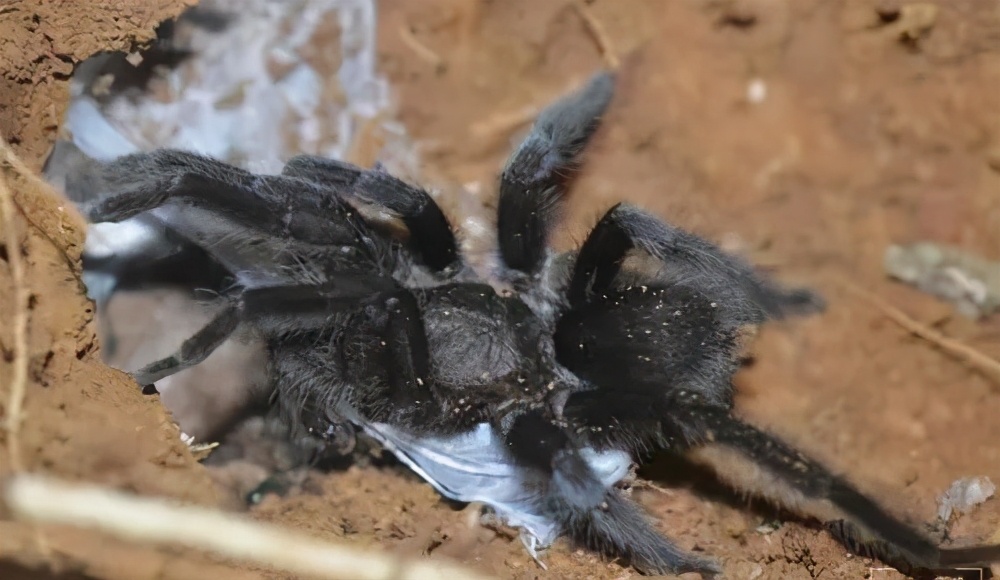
534	179
282	207
582	498
431	235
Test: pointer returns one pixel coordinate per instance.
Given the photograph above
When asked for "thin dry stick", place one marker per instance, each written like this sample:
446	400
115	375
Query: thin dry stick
503	123
599	34
33	183
420	49
951	346
133	518
19	370
19	366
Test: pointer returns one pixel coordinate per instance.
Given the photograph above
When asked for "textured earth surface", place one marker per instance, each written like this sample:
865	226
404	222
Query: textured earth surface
807	135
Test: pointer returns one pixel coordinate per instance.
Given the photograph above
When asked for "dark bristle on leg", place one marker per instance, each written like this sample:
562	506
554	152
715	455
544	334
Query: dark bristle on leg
535	175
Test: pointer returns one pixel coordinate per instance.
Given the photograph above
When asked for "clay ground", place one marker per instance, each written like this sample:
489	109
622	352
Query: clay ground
879	123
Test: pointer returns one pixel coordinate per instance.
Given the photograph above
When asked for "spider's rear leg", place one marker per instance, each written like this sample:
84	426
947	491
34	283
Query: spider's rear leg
193	350
280	206
272	310
620	528
754	461
431	235
748	296
534	178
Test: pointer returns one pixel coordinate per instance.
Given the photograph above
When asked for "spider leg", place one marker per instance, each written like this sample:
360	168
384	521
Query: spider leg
587	506
686	257
280	206
536	442
310	414
432	235
619	527
533	180
381	372
758	462
193	350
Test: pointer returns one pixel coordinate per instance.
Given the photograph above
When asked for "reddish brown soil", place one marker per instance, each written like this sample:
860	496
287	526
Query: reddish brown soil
864	138
41	42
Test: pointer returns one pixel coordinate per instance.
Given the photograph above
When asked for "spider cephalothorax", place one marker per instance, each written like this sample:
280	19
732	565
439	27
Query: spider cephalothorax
536	402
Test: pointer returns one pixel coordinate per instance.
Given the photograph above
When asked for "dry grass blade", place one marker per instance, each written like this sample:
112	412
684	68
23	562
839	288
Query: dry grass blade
599	34
987	365
19	366
133	518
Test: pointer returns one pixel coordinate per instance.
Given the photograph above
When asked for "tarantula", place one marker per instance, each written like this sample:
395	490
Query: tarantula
535	399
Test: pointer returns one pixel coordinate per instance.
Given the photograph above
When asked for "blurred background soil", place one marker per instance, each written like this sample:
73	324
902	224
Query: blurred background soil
806	135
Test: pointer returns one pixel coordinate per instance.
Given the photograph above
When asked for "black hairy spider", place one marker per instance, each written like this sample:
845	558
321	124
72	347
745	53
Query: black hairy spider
535	401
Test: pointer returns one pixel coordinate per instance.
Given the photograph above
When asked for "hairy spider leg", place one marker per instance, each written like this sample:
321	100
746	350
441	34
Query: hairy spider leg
193	350
620	528
661	357
431	235
185	266
591	514
534	178
381	372
684	256
266	229
272	310
755	461
280	206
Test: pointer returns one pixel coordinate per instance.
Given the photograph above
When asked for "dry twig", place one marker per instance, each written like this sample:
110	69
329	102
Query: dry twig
19	366
51	225
424	52
17	388
987	365
599	34
134	518
503	123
